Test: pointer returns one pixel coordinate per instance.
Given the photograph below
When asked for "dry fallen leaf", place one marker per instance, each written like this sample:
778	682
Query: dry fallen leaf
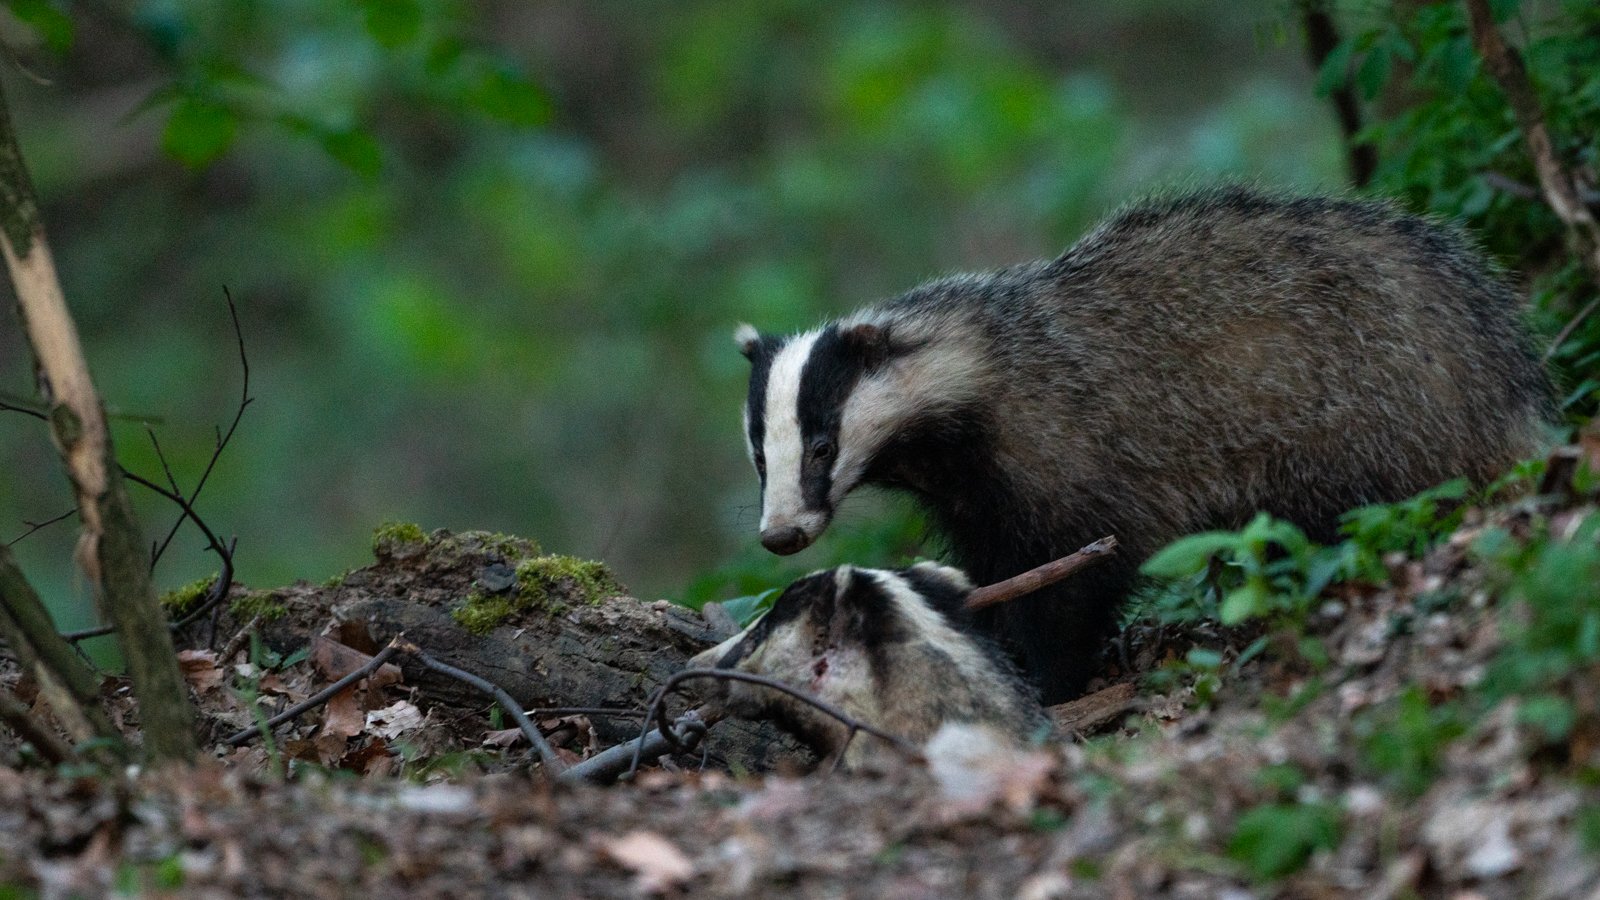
395	719
200	668
504	738
658	864
333	661
343	717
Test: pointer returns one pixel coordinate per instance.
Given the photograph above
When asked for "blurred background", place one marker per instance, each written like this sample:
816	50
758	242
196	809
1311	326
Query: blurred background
488	256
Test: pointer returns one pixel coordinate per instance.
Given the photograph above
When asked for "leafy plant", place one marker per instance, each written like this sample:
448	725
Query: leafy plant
1276	839
1267	567
1407	740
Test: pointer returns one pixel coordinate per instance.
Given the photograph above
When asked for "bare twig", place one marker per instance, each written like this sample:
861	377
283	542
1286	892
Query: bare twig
1047	574
322	696
655	716
547	754
239	640
1556	182
15	713
7	407
35	526
603	768
587	711
222	439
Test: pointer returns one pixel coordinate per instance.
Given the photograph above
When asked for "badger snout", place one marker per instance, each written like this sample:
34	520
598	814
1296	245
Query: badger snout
785	539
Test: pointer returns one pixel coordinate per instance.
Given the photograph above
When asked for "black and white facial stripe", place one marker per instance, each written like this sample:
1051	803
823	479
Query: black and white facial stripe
804	394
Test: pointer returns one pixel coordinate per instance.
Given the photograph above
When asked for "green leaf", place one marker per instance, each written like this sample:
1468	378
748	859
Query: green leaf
1374	71
512	99
745	610
1247	602
1276	840
1186	556
199	132
1202	658
52	24
356	149
1335	70
1504	9
393	23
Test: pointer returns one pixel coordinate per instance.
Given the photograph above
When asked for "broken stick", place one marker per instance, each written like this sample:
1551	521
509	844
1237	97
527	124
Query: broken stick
1047	574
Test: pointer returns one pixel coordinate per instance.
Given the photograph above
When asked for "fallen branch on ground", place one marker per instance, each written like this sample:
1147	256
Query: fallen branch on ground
605	767
657	713
547	754
322	696
1043	576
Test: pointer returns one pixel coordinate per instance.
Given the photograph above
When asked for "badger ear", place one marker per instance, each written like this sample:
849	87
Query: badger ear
748	340
870	343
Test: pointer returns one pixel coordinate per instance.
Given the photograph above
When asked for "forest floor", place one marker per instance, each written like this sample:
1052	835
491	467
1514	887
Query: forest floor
1344	757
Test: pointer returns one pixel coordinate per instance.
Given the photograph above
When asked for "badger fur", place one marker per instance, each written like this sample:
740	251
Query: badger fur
1190	362
892	649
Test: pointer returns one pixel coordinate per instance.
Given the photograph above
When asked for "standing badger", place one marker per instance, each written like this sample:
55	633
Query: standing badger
891	649
1192	361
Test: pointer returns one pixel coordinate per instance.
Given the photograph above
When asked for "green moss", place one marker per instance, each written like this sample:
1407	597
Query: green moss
336	580
182	601
258	603
592	581
389	535
482	614
543	581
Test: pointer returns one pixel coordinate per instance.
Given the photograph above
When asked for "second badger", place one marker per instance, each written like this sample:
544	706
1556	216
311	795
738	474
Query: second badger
890	648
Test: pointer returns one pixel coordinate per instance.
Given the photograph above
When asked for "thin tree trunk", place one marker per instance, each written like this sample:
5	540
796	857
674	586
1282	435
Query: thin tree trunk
1321	37
111	549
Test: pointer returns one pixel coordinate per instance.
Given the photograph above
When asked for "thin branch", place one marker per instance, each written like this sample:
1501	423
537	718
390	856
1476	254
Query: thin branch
239	640
219	588
586	711
35	526
547	754
1560	188
654	714
1047	574
222	440
1589	196
15	713
603	768
6	407
320	697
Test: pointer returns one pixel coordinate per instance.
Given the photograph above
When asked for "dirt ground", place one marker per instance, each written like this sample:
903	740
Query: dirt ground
409	786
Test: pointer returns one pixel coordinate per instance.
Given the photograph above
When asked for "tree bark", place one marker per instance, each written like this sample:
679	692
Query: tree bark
1560	189
110	547
1321	37
67	684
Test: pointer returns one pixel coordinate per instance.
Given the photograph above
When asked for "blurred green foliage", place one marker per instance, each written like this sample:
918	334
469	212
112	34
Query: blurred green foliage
488	256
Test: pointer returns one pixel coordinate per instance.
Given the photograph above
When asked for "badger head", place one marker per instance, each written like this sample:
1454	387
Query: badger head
823	404
886	647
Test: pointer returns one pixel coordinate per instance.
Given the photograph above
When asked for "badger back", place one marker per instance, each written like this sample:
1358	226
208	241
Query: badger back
1193	361
889	648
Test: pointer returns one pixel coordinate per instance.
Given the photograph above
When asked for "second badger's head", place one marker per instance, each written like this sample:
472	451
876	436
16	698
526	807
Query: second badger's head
890	648
824	405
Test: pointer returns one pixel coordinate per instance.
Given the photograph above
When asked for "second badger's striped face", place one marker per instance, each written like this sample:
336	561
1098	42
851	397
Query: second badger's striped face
820	406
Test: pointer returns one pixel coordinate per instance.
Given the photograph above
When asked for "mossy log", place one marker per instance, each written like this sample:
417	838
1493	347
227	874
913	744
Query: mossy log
565	636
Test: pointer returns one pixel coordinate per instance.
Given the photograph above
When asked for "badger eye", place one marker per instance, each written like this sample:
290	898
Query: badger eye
822	449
